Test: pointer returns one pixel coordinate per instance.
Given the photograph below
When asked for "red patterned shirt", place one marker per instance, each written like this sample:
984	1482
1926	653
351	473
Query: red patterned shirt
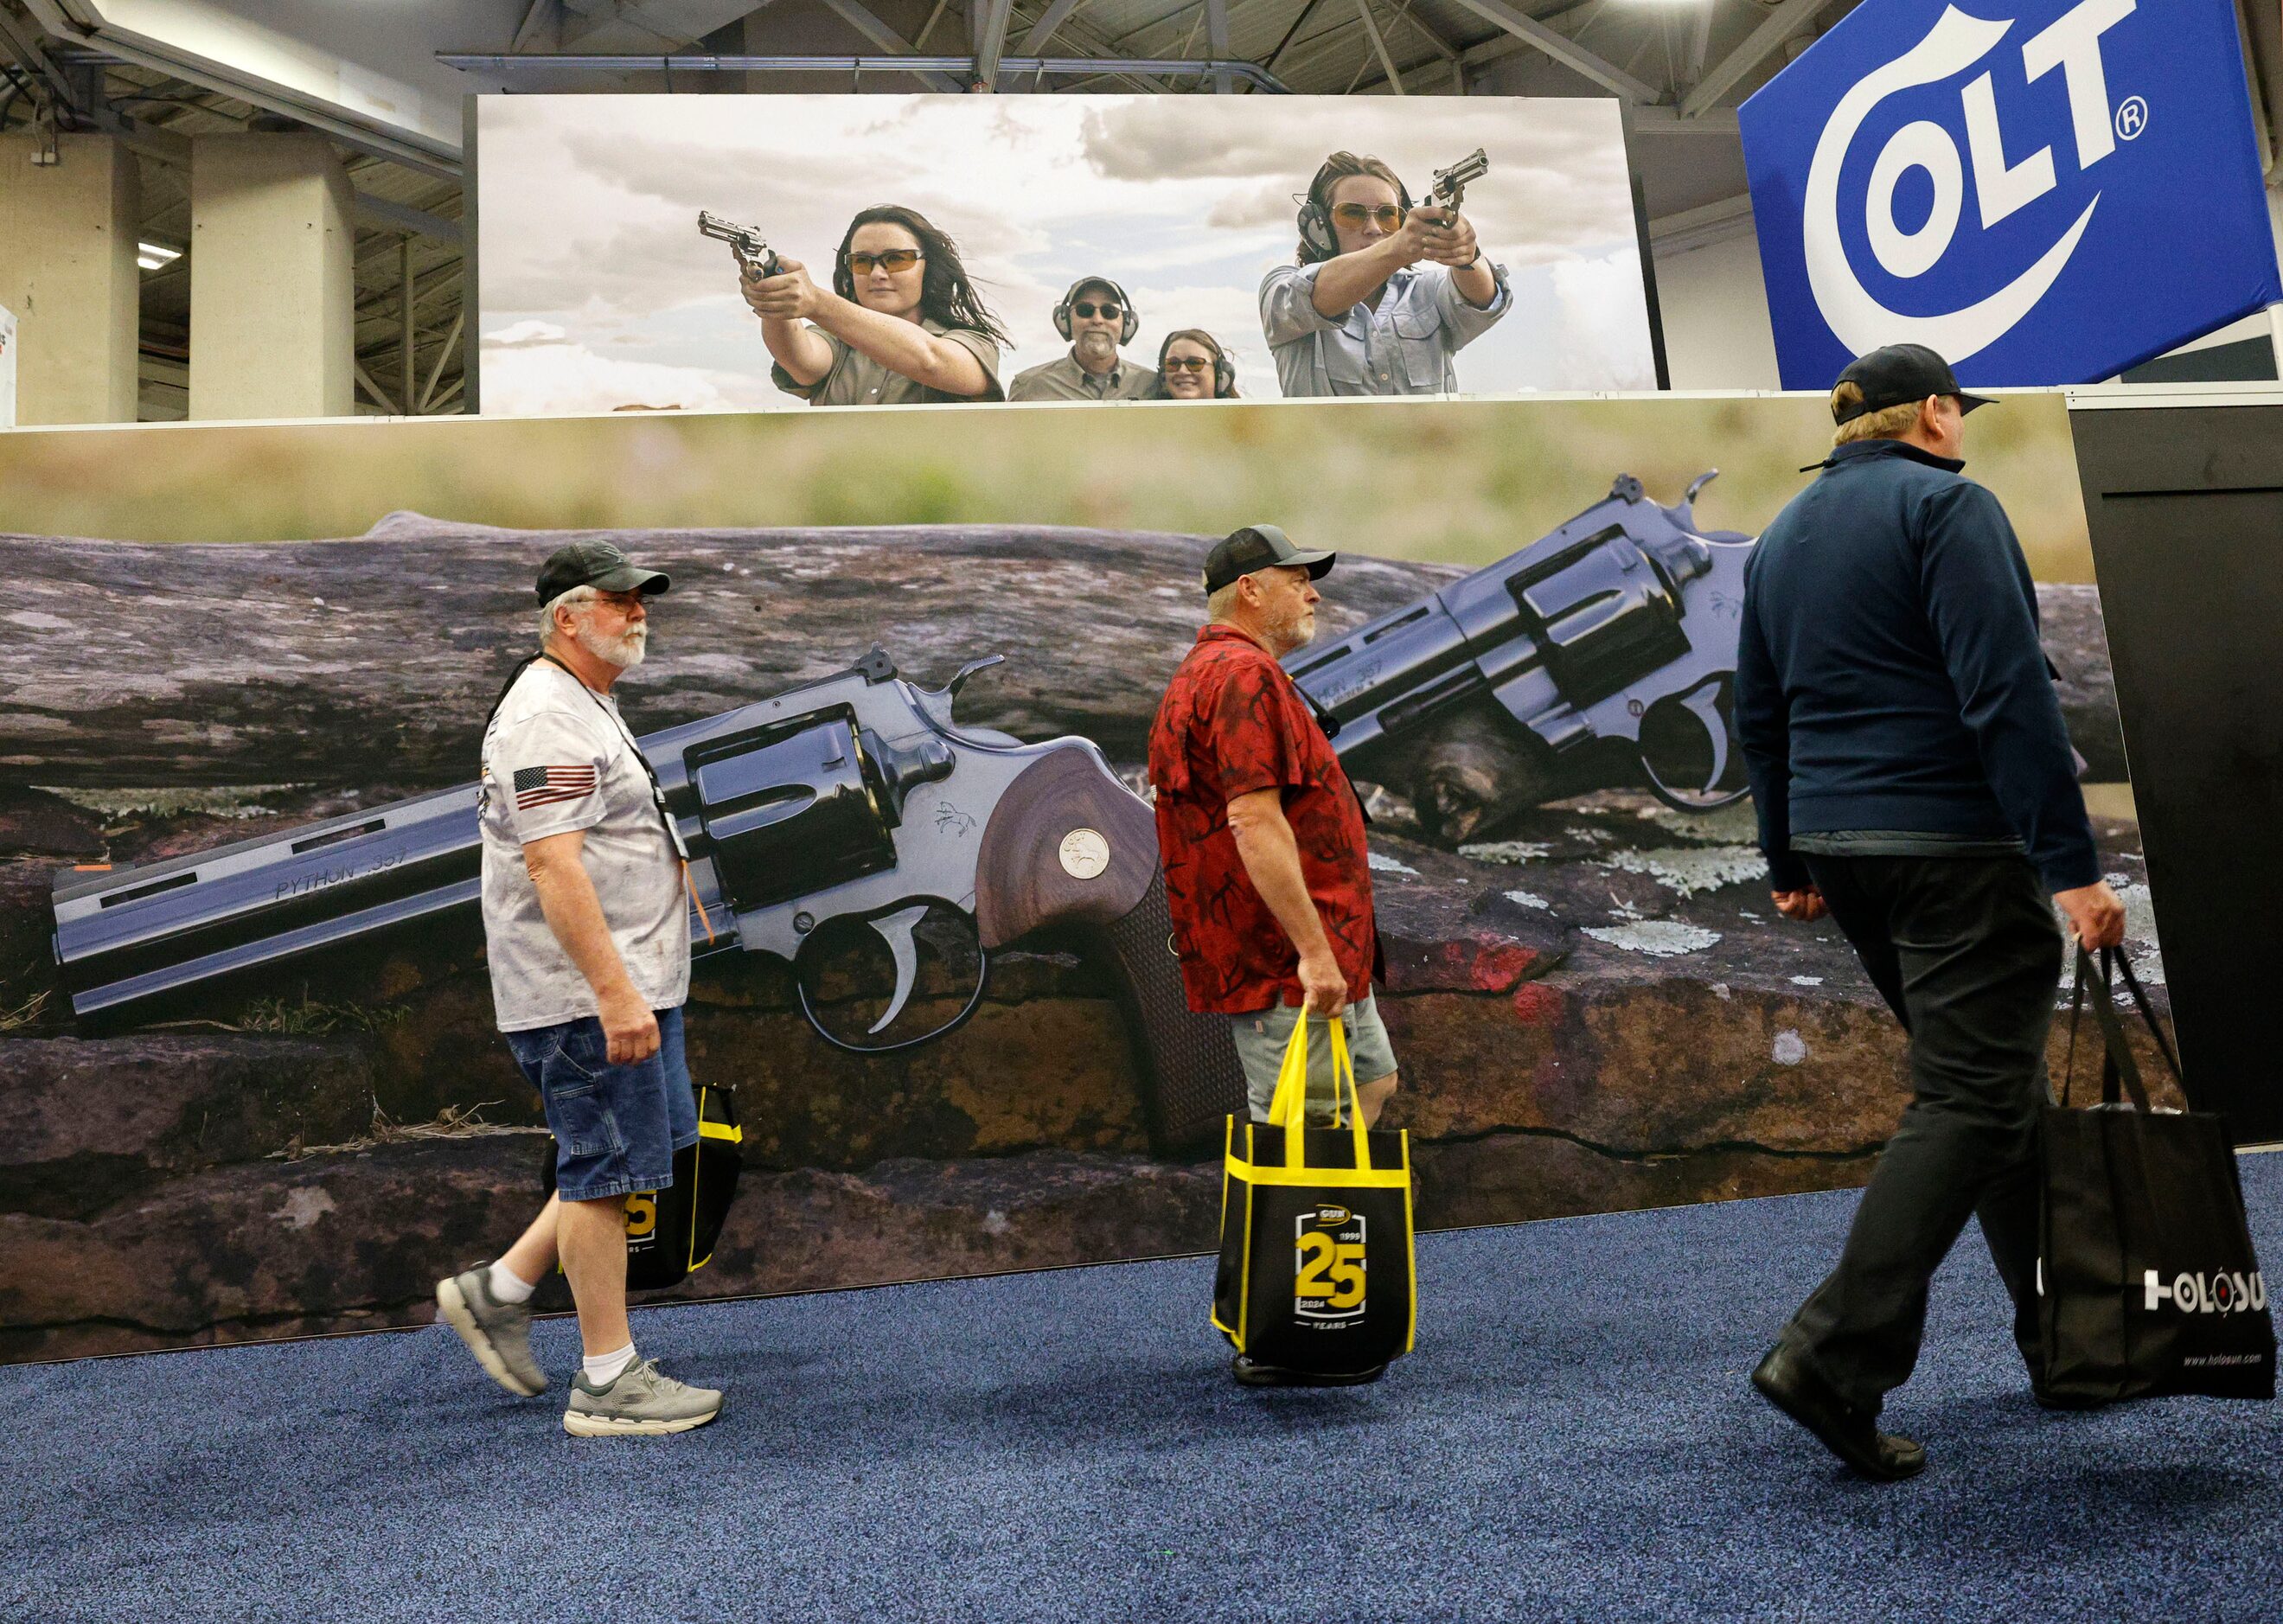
1232	722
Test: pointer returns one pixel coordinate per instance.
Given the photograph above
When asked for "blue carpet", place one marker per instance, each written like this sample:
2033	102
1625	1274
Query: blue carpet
1573	1440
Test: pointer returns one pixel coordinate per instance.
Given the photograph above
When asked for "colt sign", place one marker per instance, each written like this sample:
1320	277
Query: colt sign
2045	194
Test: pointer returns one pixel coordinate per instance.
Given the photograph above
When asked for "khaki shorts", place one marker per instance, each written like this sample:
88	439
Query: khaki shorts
1261	1041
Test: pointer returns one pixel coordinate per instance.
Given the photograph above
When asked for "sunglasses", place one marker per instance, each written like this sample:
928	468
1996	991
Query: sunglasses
893	260
1187	363
1389	216
1108	312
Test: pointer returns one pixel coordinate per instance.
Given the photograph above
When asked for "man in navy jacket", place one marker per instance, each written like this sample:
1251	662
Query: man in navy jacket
1913	777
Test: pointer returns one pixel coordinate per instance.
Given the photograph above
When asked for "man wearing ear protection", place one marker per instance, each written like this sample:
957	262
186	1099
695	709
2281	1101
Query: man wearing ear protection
1098	319
1383	295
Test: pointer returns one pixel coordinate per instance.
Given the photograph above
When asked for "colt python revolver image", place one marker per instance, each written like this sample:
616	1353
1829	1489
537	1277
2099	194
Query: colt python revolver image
841	826
1450	188
754	255
1601	655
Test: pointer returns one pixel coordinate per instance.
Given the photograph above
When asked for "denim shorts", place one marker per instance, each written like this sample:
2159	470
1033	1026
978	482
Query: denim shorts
616	1127
1261	1039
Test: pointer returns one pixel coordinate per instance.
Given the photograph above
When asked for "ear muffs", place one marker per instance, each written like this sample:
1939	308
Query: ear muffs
1316	219
1126	328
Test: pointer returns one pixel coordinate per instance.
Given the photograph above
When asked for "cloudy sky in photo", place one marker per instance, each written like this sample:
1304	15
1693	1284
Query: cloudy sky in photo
598	292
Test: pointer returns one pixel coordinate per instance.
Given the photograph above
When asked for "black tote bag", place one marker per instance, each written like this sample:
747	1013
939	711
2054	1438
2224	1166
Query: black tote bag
671	1232
2146	1280
1317	1272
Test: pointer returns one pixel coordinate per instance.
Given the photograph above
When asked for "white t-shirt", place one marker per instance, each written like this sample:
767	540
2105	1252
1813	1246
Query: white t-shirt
557	758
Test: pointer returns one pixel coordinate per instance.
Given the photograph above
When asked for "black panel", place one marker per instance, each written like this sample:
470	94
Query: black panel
2185	508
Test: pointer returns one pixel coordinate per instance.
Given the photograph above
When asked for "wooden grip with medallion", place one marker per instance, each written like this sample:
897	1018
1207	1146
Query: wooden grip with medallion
1069	849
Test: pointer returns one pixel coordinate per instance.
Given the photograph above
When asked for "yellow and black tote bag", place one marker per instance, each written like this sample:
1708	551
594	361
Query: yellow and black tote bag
671	1232
1317	1272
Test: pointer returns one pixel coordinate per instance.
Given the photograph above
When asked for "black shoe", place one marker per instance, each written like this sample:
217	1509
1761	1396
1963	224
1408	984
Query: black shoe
1847	1432
1249	1372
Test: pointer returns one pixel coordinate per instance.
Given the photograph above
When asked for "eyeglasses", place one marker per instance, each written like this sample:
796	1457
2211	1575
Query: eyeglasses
893	260
1387	215
1108	312
1187	363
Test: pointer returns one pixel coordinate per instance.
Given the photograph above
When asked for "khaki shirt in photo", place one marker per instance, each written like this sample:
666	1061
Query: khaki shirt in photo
1063	378
856	379
1402	346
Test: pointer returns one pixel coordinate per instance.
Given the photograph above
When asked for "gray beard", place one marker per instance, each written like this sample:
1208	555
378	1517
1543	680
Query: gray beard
625	650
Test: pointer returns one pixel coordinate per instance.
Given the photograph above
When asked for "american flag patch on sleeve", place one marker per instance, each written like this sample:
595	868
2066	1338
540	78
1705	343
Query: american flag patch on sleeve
539	786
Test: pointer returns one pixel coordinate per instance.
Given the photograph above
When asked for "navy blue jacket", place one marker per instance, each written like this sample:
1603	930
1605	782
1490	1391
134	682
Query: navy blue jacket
1888	675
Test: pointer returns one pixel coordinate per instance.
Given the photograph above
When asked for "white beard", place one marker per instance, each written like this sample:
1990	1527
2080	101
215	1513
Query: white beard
624	651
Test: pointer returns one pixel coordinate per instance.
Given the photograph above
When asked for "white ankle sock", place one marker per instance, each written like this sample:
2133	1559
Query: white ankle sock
507	1285
602	1368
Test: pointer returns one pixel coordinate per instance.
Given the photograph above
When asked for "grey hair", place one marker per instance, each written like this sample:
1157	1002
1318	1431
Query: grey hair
563	600
1219	603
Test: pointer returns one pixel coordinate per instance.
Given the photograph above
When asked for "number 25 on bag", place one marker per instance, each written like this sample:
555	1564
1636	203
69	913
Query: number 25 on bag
1328	1282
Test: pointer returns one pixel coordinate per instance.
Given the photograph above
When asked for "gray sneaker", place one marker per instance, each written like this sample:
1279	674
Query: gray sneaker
640	1403
498	1333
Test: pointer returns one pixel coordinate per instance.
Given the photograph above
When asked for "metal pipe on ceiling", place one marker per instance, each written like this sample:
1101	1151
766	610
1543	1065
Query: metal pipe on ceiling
1252	73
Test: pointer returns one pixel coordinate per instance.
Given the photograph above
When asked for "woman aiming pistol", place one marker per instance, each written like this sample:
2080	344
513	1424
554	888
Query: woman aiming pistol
902	324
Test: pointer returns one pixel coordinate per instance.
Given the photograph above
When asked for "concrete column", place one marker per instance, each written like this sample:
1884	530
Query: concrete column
68	270
273	289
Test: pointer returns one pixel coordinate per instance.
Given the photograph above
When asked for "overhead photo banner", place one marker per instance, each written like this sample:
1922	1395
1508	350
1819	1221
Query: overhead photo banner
599	292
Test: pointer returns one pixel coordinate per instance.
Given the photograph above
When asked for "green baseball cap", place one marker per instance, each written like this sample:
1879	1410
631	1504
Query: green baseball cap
598	565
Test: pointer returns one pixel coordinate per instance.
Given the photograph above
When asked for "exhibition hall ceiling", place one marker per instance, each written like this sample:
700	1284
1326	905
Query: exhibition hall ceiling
377	81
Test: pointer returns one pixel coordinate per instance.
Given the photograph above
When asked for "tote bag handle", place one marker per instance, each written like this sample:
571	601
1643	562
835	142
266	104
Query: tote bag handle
2117	1062
1289	1109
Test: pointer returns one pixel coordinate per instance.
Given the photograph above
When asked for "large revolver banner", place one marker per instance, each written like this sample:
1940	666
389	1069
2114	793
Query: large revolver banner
898	701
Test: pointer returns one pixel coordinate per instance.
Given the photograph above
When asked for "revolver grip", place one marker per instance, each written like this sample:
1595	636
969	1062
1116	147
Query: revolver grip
1194	1080
1069	847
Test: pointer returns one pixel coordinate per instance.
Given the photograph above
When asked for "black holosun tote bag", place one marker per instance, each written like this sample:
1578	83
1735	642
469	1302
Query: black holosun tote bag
2146	1280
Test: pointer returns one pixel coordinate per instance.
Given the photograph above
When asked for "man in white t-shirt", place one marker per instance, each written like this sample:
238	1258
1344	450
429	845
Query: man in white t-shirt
588	939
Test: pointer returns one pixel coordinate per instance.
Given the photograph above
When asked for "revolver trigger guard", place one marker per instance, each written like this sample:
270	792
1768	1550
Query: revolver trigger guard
894	928
1702	702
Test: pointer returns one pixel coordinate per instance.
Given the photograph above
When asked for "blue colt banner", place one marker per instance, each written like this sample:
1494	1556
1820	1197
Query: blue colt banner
2045	194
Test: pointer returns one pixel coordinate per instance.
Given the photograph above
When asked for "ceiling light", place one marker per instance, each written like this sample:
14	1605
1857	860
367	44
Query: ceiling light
155	256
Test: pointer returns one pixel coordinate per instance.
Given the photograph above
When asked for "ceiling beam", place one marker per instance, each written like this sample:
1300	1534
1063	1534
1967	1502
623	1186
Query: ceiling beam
991	41
388	217
1042	30
857	17
1763	42
1566	50
1379	47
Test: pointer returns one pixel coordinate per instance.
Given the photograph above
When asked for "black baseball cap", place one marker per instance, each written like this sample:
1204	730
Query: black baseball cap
1899	375
598	565
1258	547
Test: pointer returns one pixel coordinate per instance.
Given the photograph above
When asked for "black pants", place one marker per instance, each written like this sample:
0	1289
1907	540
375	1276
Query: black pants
1967	952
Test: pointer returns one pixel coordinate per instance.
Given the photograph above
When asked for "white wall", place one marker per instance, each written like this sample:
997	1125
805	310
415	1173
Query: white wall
1715	311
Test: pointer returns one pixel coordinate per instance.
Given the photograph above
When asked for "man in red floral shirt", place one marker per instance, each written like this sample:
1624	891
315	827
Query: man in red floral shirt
1261	833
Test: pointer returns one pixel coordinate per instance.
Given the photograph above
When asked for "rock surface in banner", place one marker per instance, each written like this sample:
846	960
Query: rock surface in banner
345	662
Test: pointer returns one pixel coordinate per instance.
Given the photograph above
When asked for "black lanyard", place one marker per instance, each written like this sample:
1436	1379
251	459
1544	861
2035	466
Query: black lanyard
656	790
